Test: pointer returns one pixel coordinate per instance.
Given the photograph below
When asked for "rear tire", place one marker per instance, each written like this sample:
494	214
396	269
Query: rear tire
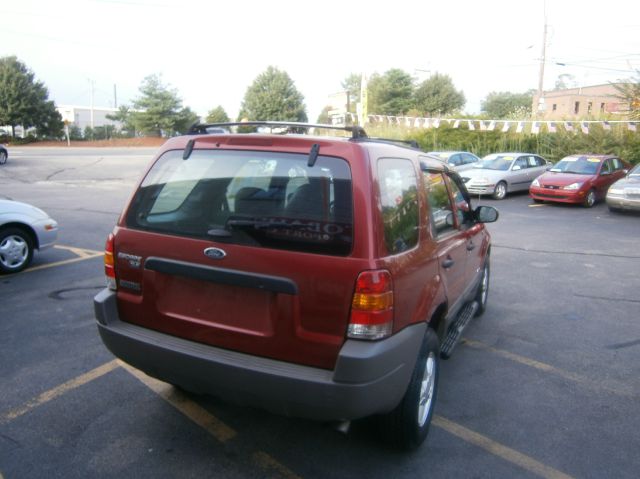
3	157
501	191
16	250
407	426
483	288
536	200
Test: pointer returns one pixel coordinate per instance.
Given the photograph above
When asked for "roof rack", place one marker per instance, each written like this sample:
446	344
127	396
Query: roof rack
201	128
410	143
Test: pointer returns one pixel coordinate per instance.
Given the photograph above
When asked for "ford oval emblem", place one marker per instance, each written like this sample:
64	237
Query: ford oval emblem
215	253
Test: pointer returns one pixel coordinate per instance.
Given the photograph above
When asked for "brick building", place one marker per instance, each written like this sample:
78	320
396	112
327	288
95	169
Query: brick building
588	102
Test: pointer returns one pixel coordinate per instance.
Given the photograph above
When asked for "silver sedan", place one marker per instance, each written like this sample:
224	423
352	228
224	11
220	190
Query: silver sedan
23	229
624	194
501	173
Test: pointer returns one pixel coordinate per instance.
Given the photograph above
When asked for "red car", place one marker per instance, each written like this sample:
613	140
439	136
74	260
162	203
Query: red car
312	276
579	179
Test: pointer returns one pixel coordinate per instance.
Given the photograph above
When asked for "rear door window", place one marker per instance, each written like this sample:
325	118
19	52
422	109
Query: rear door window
266	199
399	202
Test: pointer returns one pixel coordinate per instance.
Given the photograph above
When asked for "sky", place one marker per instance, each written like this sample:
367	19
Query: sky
210	52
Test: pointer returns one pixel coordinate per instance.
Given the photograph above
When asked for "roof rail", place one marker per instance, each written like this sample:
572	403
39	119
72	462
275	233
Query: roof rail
407	143
201	128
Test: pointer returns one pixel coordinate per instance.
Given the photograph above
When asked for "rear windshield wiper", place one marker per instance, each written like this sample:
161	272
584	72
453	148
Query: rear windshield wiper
260	223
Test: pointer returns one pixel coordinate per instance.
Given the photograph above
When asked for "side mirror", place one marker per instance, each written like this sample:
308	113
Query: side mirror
449	219
486	214
515	168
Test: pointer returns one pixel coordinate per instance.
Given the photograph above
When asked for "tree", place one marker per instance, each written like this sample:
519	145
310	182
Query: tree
160	109
218	115
504	104
124	116
391	93
438	96
25	101
323	117
352	85
273	96
564	81
629	93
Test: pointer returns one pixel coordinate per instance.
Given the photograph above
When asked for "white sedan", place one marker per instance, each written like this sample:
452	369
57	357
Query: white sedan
23	229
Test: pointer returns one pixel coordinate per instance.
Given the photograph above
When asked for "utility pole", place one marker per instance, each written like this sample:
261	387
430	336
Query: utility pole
115	97
92	84
543	60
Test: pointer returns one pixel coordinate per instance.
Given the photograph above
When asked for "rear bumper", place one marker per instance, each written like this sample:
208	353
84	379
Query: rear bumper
369	377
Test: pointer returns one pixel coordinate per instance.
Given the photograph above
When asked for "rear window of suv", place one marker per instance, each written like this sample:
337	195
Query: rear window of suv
264	199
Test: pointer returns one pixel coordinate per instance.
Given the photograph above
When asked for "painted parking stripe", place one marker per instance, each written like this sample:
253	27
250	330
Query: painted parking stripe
81	254
203	418
536	206
510	455
51	394
182	403
620	389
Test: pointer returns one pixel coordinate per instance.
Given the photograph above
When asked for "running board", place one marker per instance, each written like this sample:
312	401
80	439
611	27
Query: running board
455	330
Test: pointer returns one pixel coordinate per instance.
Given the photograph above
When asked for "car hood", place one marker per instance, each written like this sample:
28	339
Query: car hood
474	173
627	182
552	178
11	208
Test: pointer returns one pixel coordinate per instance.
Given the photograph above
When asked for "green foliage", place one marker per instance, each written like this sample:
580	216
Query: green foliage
438	96
629	93
273	96
552	146
160	110
217	115
323	118
75	133
25	101
504	104
352	84
391	93
125	117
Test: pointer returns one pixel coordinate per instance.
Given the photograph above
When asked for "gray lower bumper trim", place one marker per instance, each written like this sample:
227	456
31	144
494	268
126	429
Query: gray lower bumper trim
369	378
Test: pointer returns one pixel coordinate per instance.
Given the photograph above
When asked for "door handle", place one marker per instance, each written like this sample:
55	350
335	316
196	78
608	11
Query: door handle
470	246
448	263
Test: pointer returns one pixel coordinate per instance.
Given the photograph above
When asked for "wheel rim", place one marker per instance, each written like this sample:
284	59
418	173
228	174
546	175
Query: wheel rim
14	252
591	198
3	157
484	291
427	387
501	191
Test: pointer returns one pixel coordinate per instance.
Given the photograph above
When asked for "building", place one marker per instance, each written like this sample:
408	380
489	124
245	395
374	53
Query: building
81	116
588	102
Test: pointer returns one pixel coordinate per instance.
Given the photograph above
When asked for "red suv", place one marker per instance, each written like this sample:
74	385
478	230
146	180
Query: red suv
319	277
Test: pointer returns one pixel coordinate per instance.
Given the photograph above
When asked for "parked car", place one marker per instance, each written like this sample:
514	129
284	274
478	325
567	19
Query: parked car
624	194
23	229
4	155
319	277
501	173
458	160
579	179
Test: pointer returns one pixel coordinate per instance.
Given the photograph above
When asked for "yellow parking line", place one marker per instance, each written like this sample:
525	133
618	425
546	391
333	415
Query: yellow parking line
80	252
59	391
63	262
536	206
622	390
511	455
182	403
206	420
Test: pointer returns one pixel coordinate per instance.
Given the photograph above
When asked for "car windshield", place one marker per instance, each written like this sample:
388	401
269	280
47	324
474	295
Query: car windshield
635	172
495	162
577	165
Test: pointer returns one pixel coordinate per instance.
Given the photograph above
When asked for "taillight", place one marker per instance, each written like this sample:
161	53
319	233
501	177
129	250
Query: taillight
109	264
372	306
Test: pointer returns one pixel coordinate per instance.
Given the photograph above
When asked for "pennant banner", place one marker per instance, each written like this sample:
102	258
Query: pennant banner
551	126
535	127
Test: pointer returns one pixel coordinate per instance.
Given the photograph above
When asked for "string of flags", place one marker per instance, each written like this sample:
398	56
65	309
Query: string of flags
534	126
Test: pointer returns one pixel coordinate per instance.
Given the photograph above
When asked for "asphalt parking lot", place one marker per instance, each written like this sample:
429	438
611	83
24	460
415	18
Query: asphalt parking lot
545	384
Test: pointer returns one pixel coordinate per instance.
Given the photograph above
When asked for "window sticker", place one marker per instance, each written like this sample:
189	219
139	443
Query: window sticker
593	160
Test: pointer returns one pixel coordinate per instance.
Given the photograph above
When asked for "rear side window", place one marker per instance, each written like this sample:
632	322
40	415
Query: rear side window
399	201
440	207
267	199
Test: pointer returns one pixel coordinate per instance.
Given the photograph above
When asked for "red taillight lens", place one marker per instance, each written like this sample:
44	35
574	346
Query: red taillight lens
372	306
109	263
